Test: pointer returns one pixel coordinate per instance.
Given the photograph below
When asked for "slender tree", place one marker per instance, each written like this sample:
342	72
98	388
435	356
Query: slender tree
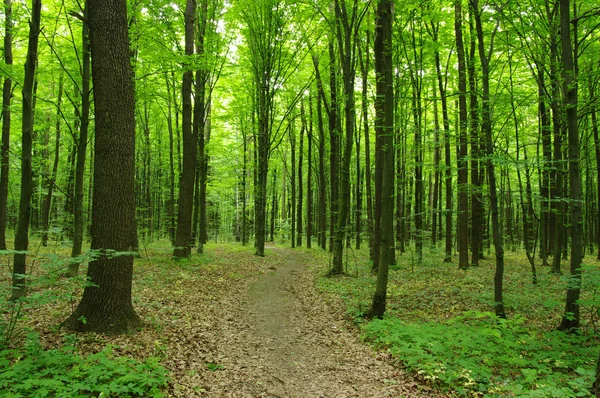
571	315
385	100
84	116
183	233
22	234
6	97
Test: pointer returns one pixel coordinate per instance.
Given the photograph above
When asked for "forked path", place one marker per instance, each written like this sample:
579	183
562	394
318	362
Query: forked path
283	341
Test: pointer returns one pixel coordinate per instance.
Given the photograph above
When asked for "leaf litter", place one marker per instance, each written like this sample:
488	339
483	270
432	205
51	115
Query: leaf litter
231	324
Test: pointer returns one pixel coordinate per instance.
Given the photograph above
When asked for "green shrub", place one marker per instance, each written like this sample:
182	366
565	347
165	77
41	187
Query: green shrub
479	353
32	371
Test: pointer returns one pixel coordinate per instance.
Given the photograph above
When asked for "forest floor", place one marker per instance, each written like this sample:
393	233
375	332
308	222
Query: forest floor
230	324
279	338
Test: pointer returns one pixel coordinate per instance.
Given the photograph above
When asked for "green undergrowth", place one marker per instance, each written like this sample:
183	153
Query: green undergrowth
32	371
440	325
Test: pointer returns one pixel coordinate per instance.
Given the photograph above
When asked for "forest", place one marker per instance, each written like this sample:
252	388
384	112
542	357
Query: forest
279	198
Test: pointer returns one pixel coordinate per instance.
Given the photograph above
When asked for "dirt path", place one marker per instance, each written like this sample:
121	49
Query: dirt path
279	339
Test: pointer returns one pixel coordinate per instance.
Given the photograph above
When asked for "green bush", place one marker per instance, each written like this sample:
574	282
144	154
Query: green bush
479	353
32	371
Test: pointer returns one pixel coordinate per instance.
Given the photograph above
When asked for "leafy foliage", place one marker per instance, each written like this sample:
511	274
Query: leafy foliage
439	327
35	372
477	352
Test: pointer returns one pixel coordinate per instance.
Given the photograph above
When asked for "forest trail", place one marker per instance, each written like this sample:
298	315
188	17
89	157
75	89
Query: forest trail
277	338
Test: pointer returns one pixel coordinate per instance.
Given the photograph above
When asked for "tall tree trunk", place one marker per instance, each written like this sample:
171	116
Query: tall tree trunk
309	188
486	123
292	135
22	234
447	159
300	191
545	129
6	97
476	186
51	179
106	306
364	67
385	99
570	318
78	216
171	202
322	194
597	153
334	150
463	172
183	233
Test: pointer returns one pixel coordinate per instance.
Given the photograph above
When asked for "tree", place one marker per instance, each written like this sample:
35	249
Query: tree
6	97
78	205
183	233
106	305
463	172
385	127
22	234
570	318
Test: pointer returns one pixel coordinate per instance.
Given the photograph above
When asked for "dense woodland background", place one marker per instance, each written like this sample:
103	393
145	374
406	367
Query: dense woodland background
444	131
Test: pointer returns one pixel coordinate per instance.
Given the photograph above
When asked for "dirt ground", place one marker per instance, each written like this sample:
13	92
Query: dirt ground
276	337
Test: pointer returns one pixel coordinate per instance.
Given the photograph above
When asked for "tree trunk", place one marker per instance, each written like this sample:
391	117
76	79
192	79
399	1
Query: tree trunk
292	136
183	233
6	99
309	188
385	99
364	64
463	172
322	194
489	143
106	305
570	318
22	234
51	179
78	220
300	191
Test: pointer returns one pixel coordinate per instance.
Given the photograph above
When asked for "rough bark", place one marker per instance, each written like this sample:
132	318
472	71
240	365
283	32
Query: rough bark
106	305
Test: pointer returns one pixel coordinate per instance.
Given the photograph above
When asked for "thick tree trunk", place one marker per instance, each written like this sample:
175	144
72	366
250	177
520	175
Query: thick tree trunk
106	305
22	234
6	114
183	233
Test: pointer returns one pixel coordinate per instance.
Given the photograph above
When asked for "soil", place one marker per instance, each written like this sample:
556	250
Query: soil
277	337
